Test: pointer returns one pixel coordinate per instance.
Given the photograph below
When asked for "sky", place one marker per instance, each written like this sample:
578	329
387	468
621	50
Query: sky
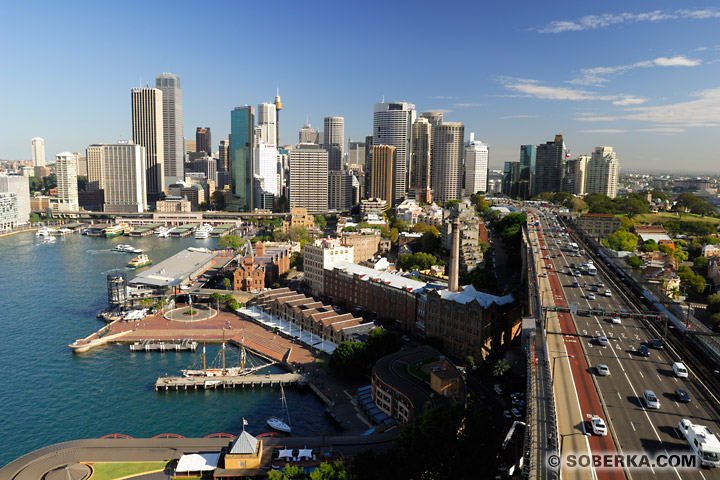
642	76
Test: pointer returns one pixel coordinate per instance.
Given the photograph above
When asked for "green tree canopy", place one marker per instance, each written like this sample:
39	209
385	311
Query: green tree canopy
635	262
231	241
320	221
649	246
422	227
621	240
428	243
698	206
416	261
701	263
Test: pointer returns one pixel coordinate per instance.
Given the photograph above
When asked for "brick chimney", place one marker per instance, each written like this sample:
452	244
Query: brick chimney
454	256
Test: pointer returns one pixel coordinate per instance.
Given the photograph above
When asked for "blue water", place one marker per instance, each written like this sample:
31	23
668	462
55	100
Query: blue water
49	296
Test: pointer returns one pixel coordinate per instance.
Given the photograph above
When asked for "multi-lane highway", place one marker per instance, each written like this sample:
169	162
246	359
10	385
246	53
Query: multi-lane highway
618	396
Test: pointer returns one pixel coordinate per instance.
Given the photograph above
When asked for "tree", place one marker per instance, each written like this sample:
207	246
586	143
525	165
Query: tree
348	360
215	297
400	225
226	283
428	243
690	203
635	262
481	205
363	224
649	246
82	182
231	241
320	222
422	227
349	229
330	471
621	240
469	361
218	200
416	261
713	301
632	204
658	195
34	217
626	222
289	472
146	302
500	368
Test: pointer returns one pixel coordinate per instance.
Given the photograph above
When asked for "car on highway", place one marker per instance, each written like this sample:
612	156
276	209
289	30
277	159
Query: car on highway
656	343
608	293
575	283
516	412
594	289
616	320
544	275
643	351
602	370
600	284
591	296
650	399
602	340
598	426
680	370
681	395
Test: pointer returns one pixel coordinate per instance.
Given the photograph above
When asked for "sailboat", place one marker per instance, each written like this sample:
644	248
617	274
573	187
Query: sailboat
279	423
224	371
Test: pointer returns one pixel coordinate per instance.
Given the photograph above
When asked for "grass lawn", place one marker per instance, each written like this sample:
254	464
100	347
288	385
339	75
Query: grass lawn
665	217
416	368
114	471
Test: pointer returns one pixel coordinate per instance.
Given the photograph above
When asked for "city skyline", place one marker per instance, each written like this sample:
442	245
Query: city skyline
640	79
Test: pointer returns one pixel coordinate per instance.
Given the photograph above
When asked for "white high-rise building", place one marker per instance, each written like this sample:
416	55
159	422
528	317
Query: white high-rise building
308	135
392	125
38	152
334	142
477	157
20	186
447	161
67	189
8	212
148	131
576	175
267	123
602	172
266	166
124	178
96	167
172	128
309	178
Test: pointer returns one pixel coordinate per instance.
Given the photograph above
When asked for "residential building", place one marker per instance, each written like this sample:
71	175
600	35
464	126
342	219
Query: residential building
67	190
149	131
447	157
384	162
364	246
8	211
38	152
308	135
309	178
550	167
392	125
334	142
408	211
598	225
373	206
602	172
20	186
242	146
267	123
435	118
420	164
431	215
340	190
172	128
321	255
203	140
195	194
124	178
477	157
576	175
708	251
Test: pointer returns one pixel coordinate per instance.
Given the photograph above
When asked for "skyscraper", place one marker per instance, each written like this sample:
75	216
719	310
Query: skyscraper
203	140
38	152
172	129
67	190
528	158
267	123
368	166
224	158
309	178
550	166
266	167
334	142
477	157
435	118
124	178
356	153
447	158
96	167
340	190
392	125
308	135
576	175
148	131
420	164
602	172
242	131
384	161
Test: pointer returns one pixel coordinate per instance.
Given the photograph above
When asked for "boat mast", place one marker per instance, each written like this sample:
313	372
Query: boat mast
204	365
242	355
223	353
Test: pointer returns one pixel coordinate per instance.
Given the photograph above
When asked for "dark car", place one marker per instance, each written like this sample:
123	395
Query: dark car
681	395
644	351
656	343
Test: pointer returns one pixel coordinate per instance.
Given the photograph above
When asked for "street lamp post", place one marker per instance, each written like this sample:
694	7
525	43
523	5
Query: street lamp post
555	358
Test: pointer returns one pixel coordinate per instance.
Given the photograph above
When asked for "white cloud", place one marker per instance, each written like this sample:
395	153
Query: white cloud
533	88
630	101
662	130
508	117
594	22
443	97
590	118
598	75
705	110
678	61
467	105
605	130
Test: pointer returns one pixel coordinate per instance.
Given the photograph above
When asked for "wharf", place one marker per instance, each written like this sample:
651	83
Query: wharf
144	230
249	381
183	230
97	230
164	346
223	229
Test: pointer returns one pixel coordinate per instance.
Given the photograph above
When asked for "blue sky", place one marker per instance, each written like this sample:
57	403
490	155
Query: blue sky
640	76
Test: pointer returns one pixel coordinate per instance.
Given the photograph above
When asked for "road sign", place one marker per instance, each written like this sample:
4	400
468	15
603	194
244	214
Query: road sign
574	308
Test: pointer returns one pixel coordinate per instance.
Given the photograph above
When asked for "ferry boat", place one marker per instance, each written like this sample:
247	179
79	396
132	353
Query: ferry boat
163	232
45	232
116	230
203	231
140	261
126	249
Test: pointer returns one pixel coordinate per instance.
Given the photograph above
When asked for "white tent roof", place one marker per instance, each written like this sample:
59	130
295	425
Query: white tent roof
198	462
305	452
285	453
244	444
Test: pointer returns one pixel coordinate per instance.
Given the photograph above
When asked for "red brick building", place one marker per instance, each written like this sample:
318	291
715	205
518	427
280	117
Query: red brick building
249	276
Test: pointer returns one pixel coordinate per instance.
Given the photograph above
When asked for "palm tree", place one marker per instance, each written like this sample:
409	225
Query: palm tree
500	368
226	283
146	302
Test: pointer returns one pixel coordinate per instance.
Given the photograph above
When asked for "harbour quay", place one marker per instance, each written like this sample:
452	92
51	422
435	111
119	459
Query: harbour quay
244	381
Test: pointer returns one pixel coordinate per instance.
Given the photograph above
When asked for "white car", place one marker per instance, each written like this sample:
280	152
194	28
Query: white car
616	320
603	370
591	296
603	341
598	426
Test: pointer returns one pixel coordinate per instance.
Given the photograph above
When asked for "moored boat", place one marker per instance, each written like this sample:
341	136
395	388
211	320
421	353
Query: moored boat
116	230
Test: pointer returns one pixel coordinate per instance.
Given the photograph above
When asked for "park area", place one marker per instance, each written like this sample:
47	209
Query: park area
116	471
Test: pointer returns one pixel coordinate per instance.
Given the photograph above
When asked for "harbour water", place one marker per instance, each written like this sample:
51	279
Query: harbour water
49	296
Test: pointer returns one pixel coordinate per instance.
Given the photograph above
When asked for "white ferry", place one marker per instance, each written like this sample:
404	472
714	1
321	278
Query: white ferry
203	231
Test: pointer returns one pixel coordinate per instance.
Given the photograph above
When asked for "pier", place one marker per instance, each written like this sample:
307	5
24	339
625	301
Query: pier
249	381
164	346
144	230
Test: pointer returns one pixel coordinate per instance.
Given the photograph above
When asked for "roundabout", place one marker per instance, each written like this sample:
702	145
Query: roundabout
190	313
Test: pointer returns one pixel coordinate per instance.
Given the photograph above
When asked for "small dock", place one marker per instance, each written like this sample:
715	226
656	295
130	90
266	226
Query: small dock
244	381
183	230
223	229
164	346
144	230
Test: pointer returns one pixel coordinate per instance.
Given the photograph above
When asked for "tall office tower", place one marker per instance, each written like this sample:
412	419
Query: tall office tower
38	152
278	107
124	178
20	186
340	190
528	156
267	123
224	158
266	166
203	140
308	135
207	166
148	131
334	142
241	158
368	167
96	167
576	175
384	162
602	172
420	164
392	125
67	191
550	166
447	159
435	118
356	154
477	158
510	179
172	128
309	178
82	169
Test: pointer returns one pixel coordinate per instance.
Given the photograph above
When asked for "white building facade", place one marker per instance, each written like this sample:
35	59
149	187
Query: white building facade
392	125
38	152
321	255
602	172
172	127
124	178
477	157
67	189
309	178
20	186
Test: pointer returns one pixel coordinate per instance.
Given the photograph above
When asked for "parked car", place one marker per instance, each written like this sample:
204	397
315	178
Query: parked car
516	412
507	414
